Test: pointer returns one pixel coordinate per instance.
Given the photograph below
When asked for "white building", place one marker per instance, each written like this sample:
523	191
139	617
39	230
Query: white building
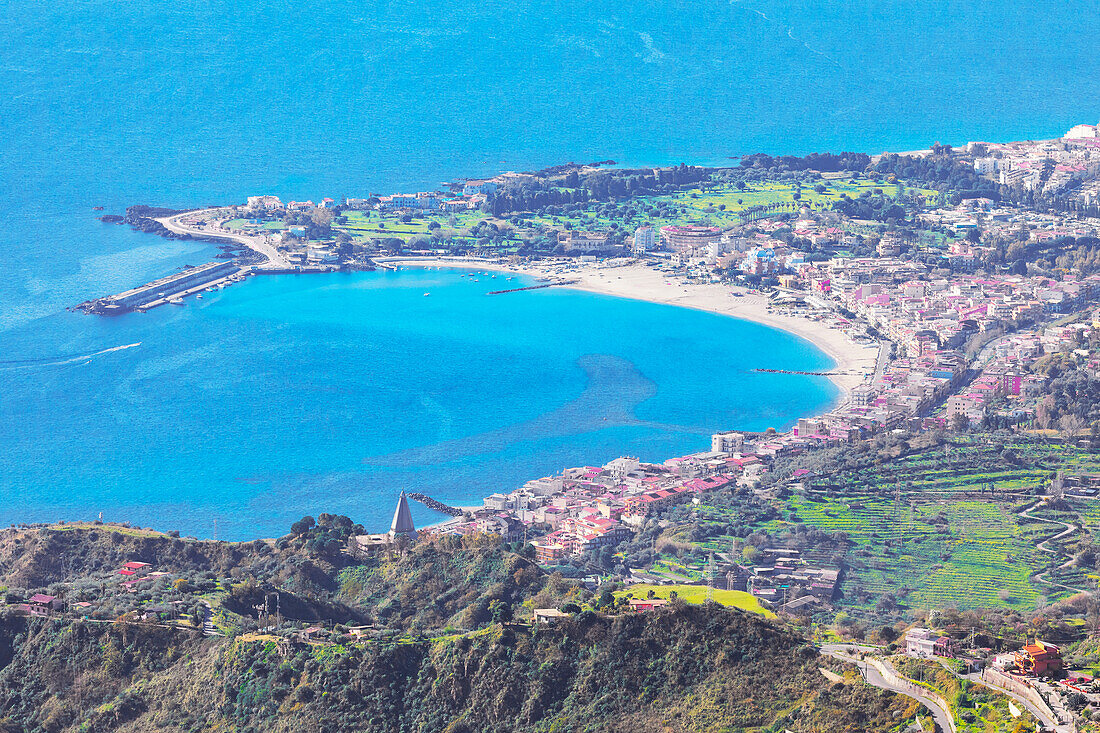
620	467
985	166
728	442
266	203
1080	132
643	240
920	643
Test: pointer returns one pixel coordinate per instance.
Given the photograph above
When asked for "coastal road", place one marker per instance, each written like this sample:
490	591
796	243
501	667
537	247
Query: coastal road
261	245
873	676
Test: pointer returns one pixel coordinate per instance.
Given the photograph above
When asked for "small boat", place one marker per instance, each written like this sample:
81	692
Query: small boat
426	294
176	301
97	208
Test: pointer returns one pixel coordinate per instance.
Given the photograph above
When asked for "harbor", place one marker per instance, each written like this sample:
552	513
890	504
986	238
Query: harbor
171	289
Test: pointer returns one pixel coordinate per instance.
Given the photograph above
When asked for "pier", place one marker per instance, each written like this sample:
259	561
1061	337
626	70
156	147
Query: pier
172	288
532	287
795	371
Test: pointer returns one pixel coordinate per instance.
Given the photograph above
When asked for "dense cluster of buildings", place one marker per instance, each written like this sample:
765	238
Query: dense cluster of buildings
785	580
1000	223
1043	166
589	507
474	193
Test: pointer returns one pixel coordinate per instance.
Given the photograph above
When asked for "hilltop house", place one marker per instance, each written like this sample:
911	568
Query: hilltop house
920	643
1039	658
41	604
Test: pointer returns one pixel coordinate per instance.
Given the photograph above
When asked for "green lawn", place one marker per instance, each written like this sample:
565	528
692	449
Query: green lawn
698	594
717	205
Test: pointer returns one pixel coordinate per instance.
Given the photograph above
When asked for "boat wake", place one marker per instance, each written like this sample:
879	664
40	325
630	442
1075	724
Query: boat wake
48	361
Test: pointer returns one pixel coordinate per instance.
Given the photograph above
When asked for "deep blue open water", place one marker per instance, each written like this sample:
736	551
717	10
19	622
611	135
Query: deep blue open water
288	396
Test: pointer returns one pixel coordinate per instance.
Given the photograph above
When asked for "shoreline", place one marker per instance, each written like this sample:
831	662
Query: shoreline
853	362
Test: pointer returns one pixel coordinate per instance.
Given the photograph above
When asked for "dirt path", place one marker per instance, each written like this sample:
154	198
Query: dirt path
1044	546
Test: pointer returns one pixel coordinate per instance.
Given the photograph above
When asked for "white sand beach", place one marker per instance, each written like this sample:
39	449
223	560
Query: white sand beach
854	361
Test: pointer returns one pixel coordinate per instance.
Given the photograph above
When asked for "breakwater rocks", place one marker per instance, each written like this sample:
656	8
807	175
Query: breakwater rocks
433	504
532	287
143	219
796	371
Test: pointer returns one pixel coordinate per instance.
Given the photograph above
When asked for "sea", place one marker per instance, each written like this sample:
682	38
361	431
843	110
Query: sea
295	395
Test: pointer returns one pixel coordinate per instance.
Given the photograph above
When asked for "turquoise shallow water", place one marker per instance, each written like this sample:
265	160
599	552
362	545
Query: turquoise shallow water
254	406
289	395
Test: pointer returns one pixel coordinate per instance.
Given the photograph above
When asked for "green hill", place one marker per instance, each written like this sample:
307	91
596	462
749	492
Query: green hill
688	668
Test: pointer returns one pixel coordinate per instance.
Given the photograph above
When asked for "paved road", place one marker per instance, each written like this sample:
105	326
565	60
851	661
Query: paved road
262	245
1040	715
873	677
883	358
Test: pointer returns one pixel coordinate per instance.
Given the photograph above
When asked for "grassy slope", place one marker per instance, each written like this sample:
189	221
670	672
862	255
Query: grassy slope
698	594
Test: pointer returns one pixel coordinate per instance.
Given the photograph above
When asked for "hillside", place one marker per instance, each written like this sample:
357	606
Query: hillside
436	636
433	584
684	669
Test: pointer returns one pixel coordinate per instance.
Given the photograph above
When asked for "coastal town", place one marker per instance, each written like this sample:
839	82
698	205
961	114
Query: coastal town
550	368
956	290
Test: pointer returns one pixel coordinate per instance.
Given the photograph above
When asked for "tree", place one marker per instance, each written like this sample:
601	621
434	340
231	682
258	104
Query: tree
500	611
1070	425
302	526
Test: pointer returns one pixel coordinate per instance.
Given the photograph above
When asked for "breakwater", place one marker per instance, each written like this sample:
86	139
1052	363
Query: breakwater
436	505
795	371
170	289
532	287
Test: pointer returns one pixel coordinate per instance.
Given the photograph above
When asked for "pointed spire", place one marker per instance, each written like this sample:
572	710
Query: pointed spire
402	520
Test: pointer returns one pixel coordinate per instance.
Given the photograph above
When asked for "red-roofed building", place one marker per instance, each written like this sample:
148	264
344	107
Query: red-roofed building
646	604
41	604
1039	658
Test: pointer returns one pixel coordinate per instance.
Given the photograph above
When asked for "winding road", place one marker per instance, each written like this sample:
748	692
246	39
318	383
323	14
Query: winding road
872	675
261	245
1044	545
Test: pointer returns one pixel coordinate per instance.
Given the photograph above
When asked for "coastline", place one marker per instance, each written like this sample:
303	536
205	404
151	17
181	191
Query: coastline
853	362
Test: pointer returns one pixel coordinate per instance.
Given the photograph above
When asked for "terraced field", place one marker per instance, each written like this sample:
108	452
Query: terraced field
937	554
952	537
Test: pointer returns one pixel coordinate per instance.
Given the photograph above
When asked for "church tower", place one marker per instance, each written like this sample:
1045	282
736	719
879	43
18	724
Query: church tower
402	520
